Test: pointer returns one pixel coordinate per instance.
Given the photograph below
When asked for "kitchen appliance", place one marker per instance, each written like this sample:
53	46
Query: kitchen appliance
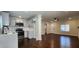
19	24
20	33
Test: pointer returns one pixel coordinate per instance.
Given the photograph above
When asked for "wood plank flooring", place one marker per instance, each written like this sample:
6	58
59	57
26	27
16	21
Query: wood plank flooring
51	41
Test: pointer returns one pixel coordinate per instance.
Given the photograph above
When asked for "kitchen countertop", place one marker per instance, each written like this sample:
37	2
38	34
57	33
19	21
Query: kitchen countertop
8	33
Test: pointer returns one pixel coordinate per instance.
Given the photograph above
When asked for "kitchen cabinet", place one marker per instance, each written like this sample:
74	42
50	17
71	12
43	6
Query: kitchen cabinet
0	21
12	21
5	18
9	40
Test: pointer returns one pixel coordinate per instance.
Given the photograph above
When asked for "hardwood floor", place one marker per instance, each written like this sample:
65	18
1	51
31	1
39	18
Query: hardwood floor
51	41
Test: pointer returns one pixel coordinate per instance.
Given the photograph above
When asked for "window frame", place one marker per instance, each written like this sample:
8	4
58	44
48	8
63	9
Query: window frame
64	27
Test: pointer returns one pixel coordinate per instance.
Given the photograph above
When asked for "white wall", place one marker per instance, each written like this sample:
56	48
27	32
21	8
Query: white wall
43	27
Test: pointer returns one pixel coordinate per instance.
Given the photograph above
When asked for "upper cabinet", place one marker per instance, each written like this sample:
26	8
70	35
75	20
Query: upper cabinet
5	18
12	21
0	21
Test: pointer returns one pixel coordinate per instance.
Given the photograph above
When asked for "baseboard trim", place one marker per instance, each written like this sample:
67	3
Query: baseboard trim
60	34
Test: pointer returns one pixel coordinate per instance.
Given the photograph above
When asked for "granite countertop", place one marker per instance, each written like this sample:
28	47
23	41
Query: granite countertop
9	33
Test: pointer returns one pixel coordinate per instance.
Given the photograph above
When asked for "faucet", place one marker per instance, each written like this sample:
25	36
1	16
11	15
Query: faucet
5	28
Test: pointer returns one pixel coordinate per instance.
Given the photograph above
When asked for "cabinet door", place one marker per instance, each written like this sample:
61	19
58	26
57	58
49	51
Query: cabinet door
12	21
5	18
0	21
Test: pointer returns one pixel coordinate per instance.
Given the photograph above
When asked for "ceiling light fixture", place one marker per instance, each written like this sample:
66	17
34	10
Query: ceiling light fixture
56	19
20	17
70	18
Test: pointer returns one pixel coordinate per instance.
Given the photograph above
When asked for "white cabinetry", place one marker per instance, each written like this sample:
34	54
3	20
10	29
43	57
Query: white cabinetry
5	18
12	21
9	40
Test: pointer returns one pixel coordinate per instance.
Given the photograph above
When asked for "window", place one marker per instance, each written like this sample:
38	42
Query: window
0	21
65	28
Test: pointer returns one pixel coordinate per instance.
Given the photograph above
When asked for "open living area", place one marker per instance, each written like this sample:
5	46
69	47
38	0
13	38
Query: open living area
39	29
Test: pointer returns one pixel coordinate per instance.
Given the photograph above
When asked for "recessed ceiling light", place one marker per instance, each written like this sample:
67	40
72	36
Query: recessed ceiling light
70	18
19	16
51	21
55	20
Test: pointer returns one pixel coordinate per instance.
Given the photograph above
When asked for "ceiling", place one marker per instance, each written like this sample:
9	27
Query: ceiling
45	14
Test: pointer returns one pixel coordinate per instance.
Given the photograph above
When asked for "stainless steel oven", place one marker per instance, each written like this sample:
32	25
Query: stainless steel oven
20	32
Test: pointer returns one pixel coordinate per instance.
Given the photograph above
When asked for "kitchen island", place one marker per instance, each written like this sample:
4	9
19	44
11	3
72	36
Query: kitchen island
9	40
